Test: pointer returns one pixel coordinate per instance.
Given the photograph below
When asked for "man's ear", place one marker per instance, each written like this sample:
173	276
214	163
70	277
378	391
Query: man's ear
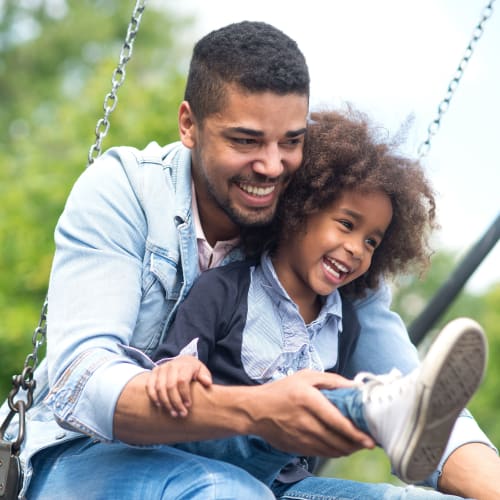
187	125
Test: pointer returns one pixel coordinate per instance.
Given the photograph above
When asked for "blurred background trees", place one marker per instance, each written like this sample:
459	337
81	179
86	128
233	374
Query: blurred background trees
56	62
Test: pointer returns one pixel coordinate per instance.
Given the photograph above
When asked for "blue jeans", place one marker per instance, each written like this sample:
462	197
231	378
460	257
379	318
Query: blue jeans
265	462
326	488
98	471
258	457
85	469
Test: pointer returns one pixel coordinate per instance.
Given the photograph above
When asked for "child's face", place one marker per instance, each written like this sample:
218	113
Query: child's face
337	245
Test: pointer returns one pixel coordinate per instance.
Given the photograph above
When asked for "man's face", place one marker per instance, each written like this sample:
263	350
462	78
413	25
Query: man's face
243	156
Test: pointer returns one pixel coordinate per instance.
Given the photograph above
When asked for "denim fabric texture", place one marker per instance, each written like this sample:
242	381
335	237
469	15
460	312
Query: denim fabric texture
259	458
321	488
265	462
126	243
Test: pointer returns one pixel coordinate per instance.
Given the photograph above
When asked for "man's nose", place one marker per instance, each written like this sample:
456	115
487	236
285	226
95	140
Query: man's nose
269	162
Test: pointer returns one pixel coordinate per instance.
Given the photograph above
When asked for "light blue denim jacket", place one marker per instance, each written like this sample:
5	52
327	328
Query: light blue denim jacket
126	255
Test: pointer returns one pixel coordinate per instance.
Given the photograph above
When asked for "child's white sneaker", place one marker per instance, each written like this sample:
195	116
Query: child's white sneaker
412	417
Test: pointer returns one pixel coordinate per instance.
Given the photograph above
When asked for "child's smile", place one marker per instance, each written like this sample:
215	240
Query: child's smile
335	268
335	248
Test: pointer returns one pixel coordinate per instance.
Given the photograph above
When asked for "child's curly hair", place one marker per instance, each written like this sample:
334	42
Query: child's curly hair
342	151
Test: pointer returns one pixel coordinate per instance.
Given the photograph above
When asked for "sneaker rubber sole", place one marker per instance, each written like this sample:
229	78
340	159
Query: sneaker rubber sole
451	372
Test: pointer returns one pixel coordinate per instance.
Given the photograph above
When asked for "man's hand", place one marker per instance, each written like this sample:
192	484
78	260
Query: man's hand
292	415
169	384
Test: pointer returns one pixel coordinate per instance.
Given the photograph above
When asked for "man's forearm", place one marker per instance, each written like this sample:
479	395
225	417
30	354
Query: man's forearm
291	414
216	412
472	471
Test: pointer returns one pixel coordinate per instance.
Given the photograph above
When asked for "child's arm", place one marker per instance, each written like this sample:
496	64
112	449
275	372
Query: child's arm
169	384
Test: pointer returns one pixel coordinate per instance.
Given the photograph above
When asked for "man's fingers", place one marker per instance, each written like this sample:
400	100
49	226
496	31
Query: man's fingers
294	416
324	380
343	435
337	425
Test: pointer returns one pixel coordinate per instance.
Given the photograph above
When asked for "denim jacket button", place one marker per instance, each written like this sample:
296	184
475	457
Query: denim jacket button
60	435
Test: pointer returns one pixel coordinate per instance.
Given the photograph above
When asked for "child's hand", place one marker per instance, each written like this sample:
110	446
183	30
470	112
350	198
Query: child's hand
169	384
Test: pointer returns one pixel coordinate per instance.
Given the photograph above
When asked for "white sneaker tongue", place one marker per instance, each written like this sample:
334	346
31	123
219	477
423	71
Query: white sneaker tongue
388	406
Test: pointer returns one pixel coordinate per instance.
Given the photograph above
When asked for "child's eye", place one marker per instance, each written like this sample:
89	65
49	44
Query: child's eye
372	242
347	224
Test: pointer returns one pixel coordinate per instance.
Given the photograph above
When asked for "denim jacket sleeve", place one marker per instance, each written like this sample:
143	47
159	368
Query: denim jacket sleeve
96	287
384	344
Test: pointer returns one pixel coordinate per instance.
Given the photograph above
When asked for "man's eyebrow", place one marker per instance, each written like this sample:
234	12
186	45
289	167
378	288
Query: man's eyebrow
246	131
258	133
295	133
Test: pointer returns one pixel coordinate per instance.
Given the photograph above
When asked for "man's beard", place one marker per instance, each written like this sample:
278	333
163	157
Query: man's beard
256	217
248	218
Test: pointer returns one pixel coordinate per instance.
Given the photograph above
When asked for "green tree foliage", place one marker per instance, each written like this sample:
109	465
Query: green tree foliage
56	64
486	405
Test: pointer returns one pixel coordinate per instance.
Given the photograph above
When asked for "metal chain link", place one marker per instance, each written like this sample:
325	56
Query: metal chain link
433	128
25	380
117	79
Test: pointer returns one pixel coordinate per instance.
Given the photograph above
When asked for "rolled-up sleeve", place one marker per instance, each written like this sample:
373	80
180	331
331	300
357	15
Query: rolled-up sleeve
83	399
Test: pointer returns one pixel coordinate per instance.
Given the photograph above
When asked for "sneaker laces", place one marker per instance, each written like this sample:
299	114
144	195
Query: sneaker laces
383	387
387	399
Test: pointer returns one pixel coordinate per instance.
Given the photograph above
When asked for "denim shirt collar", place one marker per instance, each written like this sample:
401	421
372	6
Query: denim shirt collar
332	303
177	160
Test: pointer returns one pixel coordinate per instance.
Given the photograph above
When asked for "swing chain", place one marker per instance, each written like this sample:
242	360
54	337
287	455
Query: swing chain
26	382
433	128
117	79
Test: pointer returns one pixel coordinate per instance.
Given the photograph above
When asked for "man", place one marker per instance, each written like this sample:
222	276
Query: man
137	229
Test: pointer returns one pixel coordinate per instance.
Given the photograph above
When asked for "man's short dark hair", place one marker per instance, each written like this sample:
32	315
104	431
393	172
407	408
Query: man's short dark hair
255	56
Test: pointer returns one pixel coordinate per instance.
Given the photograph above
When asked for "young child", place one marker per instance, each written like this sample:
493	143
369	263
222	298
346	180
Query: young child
354	213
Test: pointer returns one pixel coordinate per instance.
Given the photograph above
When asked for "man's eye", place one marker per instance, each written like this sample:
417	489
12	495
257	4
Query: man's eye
294	141
243	141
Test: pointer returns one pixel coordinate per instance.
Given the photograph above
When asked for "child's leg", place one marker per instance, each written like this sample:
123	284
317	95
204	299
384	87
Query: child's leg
349	401
258	457
251	453
412	417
